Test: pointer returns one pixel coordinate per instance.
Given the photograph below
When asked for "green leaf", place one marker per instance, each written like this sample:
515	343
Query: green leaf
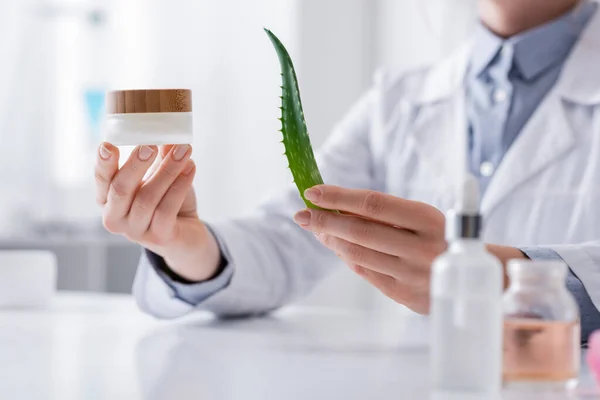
298	148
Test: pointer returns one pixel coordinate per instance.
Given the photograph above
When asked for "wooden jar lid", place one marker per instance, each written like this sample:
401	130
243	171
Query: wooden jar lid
148	101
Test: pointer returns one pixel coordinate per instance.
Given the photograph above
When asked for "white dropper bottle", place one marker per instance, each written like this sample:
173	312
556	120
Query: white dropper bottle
466	307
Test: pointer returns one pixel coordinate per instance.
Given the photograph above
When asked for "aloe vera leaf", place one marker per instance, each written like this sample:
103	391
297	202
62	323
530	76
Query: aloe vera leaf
298	148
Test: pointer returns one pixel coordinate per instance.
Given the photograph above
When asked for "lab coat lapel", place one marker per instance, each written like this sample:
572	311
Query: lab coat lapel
545	139
548	136
439	130
439	133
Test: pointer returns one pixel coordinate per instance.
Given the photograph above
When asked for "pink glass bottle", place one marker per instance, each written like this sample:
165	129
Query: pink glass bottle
541	327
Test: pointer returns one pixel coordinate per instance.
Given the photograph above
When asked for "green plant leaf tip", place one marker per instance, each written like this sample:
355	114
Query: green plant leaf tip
298	148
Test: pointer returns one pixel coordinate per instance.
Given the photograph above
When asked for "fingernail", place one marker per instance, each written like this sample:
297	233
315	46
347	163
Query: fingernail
145	152
180	152
189	168
105	153
313	194
303	217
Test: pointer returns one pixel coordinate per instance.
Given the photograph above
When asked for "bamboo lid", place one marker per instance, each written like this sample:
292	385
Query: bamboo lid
148	101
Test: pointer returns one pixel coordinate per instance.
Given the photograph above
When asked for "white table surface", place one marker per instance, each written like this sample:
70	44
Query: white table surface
101	347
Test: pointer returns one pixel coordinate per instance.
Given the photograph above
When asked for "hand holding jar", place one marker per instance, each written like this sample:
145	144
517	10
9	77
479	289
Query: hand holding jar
150	199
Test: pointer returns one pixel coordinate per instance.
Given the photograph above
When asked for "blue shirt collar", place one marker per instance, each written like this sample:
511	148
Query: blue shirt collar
537	49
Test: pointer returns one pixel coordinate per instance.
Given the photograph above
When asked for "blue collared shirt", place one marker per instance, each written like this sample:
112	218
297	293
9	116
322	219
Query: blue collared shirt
509	78
506	81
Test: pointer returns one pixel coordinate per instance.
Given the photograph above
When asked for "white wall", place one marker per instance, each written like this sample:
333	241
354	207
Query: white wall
336	59
220	51
412	33
25	44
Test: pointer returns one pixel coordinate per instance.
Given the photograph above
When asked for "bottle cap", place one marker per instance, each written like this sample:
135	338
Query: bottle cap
464	221
149	101
468	196
463	226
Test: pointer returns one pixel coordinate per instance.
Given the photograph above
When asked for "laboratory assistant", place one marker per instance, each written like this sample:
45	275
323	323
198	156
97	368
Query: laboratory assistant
525	108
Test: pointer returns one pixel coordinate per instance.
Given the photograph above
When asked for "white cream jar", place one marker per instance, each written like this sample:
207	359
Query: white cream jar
27	278
149	117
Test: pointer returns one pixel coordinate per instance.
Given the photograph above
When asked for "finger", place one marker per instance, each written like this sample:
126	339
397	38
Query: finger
163	223
154	189
375	261
189	207
125	184
374	235
377	206
395	290
163	152
356	254
387	285
107	165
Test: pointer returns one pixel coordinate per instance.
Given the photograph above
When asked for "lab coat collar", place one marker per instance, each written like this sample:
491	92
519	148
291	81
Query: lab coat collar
579	81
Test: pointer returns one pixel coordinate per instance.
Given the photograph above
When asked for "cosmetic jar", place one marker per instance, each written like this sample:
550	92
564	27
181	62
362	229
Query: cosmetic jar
148	117
541	327
27	279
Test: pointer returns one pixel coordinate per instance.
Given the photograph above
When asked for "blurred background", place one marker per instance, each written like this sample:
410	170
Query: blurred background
57	58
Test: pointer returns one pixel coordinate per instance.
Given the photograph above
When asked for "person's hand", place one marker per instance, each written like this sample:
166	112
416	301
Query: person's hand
389	241
150	201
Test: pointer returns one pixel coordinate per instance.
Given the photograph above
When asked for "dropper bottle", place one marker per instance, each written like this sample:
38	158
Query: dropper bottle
466	307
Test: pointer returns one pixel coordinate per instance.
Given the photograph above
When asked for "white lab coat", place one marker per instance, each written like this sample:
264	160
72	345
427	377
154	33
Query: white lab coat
404	138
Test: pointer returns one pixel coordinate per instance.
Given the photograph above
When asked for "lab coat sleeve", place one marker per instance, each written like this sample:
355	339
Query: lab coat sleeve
590	316
273	260
191	292
584	261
